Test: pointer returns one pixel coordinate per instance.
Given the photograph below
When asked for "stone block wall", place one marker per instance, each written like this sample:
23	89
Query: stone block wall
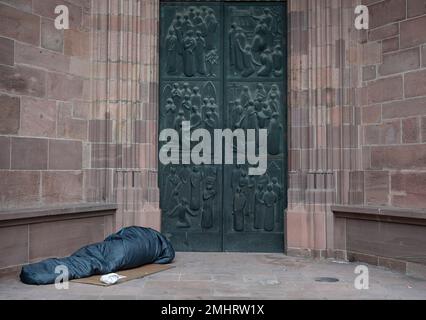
123	126
393	113
78	120
44	103
357	109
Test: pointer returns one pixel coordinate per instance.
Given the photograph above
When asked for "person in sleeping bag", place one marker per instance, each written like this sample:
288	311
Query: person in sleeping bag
129	248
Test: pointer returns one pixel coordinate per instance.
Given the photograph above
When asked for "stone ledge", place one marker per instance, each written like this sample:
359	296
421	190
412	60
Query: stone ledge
381	214
33	234
32	215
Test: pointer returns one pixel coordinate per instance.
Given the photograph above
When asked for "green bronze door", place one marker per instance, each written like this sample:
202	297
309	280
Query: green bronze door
223	66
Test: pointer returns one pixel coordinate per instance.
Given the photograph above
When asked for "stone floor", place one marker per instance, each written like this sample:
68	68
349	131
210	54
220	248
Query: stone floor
237	276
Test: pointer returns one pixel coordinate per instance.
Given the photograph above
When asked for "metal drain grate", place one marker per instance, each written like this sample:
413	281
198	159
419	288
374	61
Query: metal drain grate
326	279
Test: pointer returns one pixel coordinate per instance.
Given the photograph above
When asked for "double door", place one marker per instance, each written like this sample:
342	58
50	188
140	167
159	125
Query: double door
223	66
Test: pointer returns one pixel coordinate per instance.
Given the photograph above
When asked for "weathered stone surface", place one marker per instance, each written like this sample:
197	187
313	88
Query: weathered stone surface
409	190
80	67
402	157
19	25
38	117
424	129
100	130
51	38
385	32
23	80
371	53
411	130
24	5
19	188
7	51
377	187
388	132
385	90
81	110
416	8
405	108
369	73
77	43
62	238
29	154
412	32
5	152
372	114
64	87
65	155
62	187
400	61
390	45
48	59
72	128
13	246
385	12
9	114
415	84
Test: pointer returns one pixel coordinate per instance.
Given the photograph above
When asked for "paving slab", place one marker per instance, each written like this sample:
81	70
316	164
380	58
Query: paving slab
222	276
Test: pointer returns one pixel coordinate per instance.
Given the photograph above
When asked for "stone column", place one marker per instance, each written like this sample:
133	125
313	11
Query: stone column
123	125
324	159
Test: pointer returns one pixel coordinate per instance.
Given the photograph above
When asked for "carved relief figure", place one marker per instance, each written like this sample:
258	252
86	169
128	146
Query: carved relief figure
196	98
173	182
170	110
277	58
238	209
187	106
252	119
199	24
259	114
171	48
254	46
274	135
235	176
259	43
248	62
269	199
212	25
260	91
196	180
245	96
237	114
190	44
232	44
214	110
276	187
186	25
178	121
209	195
196	120
250	191
176	95
200	58
259	207
182	211
266	61
186	90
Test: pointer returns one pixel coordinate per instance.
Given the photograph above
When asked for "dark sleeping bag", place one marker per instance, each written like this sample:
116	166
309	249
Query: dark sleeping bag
129	248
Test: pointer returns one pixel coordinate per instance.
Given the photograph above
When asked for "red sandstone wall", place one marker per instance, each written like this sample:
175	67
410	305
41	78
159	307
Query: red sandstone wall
44	103
394	108
125	110
357	112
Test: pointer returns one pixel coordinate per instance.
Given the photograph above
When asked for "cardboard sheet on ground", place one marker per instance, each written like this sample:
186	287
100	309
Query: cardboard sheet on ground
130	274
